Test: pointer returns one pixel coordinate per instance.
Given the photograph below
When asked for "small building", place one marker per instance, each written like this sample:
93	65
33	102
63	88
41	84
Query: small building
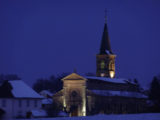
17	99
47	101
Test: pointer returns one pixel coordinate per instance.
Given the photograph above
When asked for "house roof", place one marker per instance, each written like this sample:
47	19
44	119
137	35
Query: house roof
18	89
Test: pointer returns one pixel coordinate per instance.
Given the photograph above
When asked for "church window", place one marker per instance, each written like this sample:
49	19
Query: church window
111	65
102	65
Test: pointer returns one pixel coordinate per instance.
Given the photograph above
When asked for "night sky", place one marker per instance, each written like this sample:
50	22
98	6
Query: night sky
39	38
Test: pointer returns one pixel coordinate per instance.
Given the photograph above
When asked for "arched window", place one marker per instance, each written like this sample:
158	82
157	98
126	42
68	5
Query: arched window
111	65
102	64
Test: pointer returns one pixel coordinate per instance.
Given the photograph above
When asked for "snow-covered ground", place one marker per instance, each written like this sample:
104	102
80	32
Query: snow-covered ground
147	116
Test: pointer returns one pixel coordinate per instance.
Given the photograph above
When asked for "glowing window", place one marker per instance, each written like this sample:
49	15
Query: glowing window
102	65
111	65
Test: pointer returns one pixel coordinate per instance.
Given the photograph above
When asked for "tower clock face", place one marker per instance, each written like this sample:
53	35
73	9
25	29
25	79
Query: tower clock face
102	64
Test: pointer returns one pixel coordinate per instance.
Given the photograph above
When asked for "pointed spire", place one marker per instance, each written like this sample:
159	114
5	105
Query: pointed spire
105	42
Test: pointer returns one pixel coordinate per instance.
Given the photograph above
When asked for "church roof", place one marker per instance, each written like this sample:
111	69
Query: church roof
74	76
105	47
119	93
106	79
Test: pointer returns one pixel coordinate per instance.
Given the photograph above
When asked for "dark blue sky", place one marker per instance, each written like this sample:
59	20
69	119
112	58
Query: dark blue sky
39	38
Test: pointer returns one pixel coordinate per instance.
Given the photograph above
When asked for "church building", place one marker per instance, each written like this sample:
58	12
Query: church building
103	93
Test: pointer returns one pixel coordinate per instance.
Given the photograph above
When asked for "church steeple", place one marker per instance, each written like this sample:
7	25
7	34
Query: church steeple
105	47
105	59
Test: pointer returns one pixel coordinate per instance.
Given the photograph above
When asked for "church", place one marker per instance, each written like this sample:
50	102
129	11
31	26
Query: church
103	93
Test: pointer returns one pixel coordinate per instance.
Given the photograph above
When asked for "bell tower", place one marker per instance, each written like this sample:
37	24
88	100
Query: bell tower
105	60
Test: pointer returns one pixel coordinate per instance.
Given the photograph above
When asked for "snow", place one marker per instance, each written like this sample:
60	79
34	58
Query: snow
47	101
113	80
146	116
22	90
108	52
62	114
119	93
46	93
39	113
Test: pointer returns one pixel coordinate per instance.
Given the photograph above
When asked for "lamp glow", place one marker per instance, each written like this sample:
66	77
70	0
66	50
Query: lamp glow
111	73
102	74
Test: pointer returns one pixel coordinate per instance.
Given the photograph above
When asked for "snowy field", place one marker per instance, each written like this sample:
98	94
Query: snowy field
147	116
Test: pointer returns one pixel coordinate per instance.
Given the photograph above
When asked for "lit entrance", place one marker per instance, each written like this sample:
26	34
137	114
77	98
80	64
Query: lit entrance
74	110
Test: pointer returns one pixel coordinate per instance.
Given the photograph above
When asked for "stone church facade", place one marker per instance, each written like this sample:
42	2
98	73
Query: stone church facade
103	93
73	95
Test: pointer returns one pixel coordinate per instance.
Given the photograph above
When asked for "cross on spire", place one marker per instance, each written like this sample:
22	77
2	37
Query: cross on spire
105	17
74	70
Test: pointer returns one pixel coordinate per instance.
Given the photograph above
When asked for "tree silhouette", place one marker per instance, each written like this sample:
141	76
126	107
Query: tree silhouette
154	94
53	84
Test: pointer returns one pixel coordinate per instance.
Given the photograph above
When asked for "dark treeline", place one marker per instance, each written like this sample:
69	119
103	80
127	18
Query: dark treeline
4	77
53	83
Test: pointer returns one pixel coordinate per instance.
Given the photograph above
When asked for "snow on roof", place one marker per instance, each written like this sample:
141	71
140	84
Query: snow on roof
22	90
113	80
45	93
47	101
119	93
39	113
108	52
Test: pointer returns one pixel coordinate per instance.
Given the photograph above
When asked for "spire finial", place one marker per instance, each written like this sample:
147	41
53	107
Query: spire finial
105	15
74	70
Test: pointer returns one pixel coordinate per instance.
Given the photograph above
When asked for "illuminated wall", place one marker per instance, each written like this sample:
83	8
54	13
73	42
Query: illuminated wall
74	94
